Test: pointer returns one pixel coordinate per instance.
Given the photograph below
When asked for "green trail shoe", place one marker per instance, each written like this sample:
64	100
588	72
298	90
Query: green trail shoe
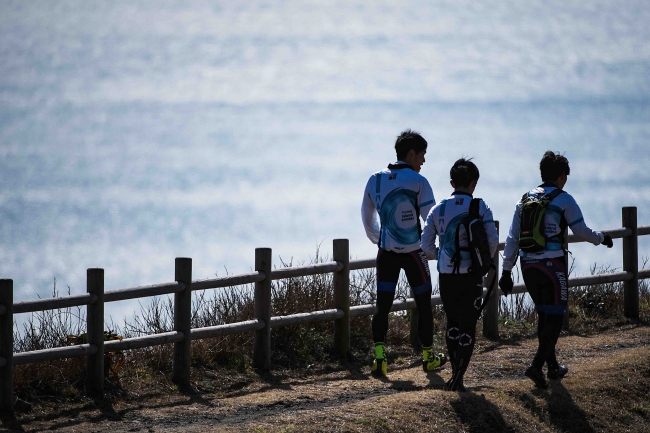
379	364
379	367
430	361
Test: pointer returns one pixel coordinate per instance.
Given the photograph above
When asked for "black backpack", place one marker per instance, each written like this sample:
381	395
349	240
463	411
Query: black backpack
531	220
477	242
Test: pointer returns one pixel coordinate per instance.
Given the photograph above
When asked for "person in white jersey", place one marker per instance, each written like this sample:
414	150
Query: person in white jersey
545	271
460	291
393	202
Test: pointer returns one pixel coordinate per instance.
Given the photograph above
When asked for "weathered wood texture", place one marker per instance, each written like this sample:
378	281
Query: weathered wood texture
631	264
7	347
95	332
341	282
183	322
262	308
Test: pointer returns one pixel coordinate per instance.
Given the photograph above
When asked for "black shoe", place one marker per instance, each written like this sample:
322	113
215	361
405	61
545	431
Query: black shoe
537	376
455	384
557	373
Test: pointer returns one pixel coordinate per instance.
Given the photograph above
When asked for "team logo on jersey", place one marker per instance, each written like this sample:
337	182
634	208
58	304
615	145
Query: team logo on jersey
459	201
392	176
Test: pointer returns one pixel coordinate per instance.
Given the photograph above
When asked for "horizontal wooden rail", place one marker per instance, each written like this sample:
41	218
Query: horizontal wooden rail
643	230
55	353
144	341
54	303
600	279
314	316
227	329
355	265
231	280
143	291
303	271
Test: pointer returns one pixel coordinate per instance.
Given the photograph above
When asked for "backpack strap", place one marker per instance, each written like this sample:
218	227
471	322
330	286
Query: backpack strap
456	258
551	196
474	207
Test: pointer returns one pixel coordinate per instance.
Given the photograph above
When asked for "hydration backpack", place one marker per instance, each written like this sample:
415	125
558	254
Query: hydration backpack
531	217
477	242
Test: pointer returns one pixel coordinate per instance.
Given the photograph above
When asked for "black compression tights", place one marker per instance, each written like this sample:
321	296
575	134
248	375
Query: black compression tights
425	317
549	327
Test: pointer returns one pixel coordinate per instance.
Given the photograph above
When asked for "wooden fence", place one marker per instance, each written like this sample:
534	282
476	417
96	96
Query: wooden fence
263	321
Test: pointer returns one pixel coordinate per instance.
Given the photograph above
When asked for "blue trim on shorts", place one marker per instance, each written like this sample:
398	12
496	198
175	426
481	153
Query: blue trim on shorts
386	286
422	289
558	310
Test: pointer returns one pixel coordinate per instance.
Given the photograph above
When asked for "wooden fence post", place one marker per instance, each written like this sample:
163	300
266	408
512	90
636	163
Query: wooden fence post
95	332
341	280
631	264
491	315
262	344
7	347
183	322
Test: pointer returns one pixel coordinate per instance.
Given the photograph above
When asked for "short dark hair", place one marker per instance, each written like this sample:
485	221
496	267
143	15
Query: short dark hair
408	140
552	166
464	172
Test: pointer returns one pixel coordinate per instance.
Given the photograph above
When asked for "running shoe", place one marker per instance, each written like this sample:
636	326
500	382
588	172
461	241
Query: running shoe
537	376
379	367
557	373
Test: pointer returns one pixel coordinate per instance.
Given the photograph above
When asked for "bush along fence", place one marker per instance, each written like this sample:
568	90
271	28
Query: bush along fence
95	347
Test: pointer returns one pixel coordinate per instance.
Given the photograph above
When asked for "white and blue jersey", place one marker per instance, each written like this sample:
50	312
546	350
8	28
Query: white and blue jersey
562	212
442	222
392	204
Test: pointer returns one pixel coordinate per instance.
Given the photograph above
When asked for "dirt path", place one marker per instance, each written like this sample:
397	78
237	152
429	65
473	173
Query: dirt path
346	399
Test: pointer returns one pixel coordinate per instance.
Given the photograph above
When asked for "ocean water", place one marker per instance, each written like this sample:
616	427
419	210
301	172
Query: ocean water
135	132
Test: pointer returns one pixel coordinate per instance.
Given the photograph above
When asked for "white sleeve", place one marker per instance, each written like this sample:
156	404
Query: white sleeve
573	217
426	200
429	234
512	242
370	218
490	229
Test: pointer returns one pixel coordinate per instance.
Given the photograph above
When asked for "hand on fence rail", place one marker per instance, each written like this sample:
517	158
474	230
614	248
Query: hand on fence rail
608	241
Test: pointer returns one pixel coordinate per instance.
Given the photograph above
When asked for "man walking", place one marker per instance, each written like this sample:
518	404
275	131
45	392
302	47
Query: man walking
393	201
461	290
537	236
